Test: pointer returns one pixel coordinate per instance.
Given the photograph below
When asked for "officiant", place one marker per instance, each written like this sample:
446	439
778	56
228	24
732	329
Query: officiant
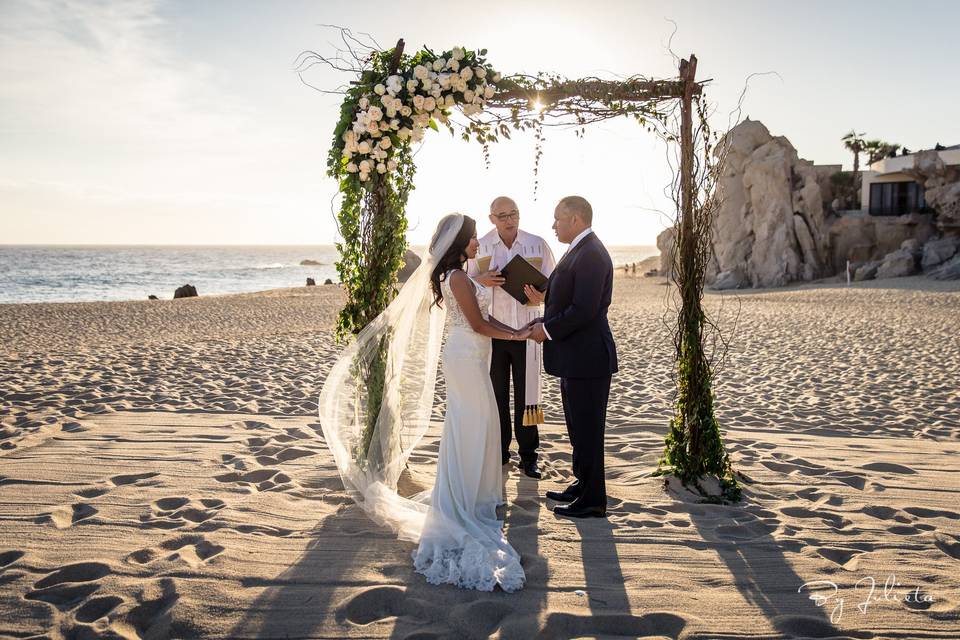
519	361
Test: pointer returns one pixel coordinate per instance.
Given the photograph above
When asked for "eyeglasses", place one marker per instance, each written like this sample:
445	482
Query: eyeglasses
505	217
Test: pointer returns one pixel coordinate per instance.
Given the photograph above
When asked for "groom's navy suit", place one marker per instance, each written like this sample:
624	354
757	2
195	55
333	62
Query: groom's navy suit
581	352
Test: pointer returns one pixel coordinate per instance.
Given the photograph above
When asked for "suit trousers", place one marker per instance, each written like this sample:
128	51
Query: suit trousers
510	356
585	410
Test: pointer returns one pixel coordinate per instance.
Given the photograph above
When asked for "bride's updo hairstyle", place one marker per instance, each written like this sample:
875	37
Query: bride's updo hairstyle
453	257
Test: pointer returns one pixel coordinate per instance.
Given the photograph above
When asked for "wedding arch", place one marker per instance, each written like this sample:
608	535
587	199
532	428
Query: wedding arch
395	97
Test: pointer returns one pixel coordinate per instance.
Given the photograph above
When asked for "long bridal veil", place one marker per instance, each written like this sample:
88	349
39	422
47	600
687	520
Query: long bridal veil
376	402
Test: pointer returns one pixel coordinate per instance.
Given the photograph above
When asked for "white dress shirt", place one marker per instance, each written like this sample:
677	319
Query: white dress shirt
503	306
580	236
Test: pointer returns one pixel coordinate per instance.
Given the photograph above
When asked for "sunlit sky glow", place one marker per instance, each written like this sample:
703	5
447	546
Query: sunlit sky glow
148	122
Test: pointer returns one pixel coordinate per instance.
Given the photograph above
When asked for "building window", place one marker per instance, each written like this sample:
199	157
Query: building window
896	198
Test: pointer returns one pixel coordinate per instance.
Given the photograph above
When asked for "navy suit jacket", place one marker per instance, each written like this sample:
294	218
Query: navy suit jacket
575	314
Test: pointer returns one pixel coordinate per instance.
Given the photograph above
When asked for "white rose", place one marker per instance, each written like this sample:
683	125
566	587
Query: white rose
429	104
461	84
480	72
457	53
374	113
372	127
394	124
381	168
403	133
391	112
444	80
347	153
351	167
489	92
436	92
364	166
364	147
358	128
468	95
364	103
412	85
449	100
394	84
405	111
385	143
379	154
496	77
391	165
418	102
364	177
426	84
384	126
417	135
438	64
453	64
466	73
379	89
419	72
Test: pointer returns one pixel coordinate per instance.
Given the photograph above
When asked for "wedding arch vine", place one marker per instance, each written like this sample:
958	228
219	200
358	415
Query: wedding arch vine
395	97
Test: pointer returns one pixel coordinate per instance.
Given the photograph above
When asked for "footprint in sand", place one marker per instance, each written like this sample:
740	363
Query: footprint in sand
193	549
379	603
67	516
67	586
177	512
7	558
950	545
133	478
848	559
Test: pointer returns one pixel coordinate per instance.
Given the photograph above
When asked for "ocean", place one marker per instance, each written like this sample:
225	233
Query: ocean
32	273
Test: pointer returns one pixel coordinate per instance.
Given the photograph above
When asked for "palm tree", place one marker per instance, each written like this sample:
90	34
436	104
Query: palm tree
855	143
878	149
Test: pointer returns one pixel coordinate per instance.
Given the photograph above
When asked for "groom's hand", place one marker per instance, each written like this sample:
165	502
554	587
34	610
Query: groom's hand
537	333
490	278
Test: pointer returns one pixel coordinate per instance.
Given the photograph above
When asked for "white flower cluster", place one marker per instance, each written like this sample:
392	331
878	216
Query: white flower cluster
400	108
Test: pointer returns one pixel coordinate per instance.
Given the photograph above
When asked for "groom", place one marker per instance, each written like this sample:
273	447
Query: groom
578	347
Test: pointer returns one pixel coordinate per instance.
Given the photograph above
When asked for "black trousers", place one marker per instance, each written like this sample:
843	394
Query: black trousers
510	356
585	410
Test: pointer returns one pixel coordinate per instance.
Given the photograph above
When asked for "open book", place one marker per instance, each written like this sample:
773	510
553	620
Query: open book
518	273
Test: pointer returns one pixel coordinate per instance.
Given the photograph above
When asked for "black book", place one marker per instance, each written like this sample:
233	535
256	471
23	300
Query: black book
519	273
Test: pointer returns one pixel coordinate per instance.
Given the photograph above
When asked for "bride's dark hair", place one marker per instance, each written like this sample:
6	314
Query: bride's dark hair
453	258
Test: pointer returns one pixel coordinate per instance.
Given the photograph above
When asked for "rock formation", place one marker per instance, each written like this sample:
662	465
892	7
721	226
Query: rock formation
311	282
769	230
410	262
186	291
774	227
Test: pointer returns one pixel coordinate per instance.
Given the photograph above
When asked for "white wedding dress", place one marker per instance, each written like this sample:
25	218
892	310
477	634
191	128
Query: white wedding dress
376	404
462	540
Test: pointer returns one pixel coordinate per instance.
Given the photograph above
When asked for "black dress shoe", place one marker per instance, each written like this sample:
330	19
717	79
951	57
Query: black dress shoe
561	496
530	469
573	511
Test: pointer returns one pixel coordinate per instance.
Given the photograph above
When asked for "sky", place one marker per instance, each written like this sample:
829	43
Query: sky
169	122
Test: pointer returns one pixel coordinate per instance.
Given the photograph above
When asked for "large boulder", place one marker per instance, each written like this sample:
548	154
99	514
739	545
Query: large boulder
410	263
730	280
860	237
867	271
936	252
941	183
665	244
186	291
769	229
949	270
897	264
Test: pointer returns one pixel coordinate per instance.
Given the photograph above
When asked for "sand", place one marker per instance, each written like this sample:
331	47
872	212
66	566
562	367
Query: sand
163	474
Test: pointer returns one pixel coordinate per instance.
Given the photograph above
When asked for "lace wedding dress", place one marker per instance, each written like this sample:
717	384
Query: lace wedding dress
462	541
372	429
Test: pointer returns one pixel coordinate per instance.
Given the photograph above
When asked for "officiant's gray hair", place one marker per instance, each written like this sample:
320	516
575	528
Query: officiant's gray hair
579	206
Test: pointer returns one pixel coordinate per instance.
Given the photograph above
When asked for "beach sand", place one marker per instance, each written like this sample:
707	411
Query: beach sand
163	474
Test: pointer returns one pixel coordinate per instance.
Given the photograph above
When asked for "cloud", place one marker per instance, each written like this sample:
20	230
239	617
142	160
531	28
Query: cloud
106	72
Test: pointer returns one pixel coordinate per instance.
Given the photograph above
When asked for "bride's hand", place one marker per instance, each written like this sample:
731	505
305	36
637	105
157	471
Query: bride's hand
490	279
524	334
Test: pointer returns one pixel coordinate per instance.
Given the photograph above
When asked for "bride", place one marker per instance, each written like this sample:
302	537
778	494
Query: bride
372	428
